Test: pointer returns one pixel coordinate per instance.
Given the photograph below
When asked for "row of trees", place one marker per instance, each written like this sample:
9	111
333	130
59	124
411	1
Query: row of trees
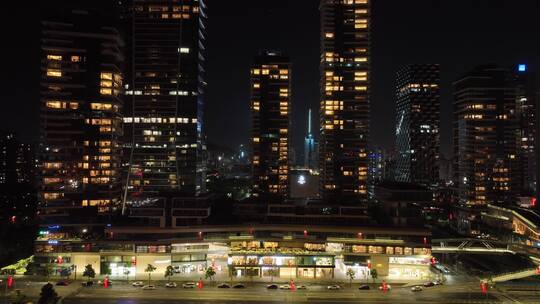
352	275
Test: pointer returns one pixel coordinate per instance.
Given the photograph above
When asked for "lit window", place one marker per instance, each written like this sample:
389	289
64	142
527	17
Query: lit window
54	73
54	57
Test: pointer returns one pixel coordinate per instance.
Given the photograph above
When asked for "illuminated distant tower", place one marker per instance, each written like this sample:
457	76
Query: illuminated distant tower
310	153
270	109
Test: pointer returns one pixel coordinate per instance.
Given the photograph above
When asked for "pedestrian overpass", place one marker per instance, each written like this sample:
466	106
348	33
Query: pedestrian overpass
470	245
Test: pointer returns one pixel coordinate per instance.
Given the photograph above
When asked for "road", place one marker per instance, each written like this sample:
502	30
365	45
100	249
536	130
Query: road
258	294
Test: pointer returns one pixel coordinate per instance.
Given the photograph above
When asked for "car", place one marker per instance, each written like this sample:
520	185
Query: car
333	287
301	287
137	284
416	288
224	285
364	287
87	284
285	287
438	282
62	283
239	285
388	287
188	285
171	285
109	282
149	287
429	284
272	286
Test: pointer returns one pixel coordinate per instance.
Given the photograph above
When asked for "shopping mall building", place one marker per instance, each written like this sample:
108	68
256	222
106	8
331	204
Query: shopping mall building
261	252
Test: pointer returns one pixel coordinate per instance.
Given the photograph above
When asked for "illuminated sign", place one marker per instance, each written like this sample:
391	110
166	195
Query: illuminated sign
522	67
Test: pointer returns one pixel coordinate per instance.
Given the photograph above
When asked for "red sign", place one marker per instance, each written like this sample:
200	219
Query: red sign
483	286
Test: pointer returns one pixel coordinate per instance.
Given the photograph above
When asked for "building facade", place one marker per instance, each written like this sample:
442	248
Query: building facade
81	122
486	137
163	125
344	102
270	111
244	252
17	161
526	108
417	124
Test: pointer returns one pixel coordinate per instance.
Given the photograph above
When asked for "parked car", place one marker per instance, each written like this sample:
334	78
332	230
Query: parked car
137	284
188	285
301	287
416	288
285	287
438	282
333	287
429	284
149	287
239	285
62	283
224	285
171	285
364	287
272	286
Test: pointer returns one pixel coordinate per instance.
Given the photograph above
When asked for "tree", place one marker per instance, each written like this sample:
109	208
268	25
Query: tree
126	273
169	272
231	273
48	270
351	274
48	295
65	272
374	274
210	273
106	269
150	268
89	272
20	298
273	272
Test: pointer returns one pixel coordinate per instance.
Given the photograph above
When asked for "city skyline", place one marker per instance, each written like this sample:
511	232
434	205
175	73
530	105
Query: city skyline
231	96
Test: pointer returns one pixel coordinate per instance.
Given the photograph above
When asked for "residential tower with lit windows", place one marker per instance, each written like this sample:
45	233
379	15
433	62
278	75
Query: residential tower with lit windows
163	125
270	110
417	124
486	137
344	102
81	122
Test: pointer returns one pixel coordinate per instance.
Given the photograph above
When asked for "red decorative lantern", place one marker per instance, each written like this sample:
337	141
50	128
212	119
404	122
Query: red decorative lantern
13	219
359	235
533	202
106	283
10	282
200	284
483	287
369	264
292	285
305	233
384	286
133	261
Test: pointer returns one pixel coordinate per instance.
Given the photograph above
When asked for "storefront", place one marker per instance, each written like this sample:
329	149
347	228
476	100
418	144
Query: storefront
409	268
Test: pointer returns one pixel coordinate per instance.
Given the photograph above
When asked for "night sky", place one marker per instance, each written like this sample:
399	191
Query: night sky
457	34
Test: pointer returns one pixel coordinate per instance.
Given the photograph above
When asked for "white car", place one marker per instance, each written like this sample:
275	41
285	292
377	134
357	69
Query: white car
416	288
188	285
148	287
286	287
333	287
301	287
137	284
171	285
